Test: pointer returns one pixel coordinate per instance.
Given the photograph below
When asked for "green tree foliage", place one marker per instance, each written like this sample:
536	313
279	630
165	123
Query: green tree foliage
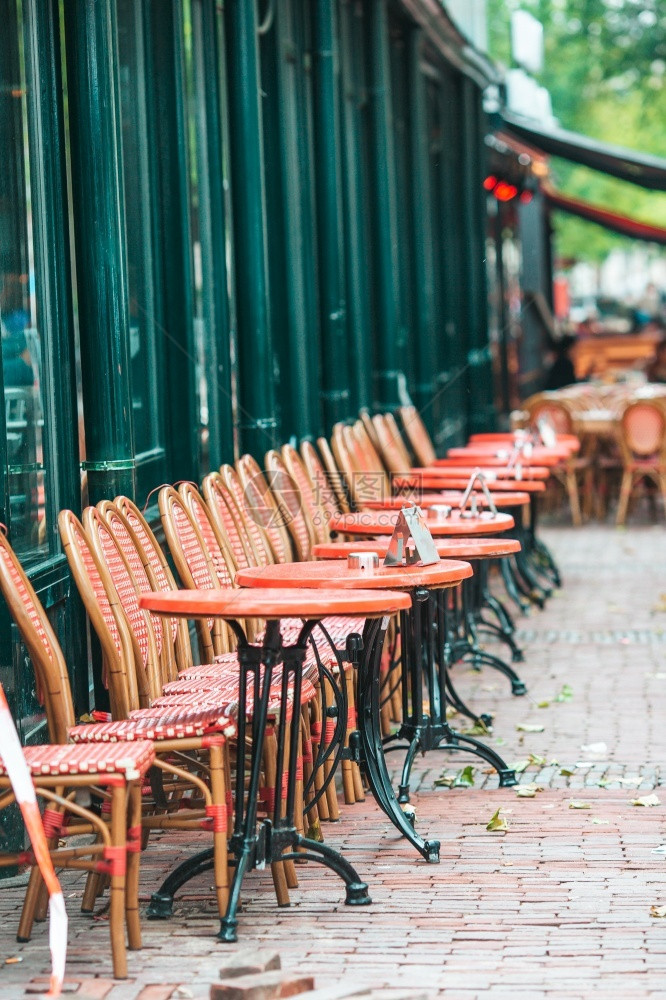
605	68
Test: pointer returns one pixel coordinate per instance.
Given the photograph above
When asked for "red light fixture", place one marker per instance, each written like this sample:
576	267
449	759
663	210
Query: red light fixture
526	197
505	192
490	182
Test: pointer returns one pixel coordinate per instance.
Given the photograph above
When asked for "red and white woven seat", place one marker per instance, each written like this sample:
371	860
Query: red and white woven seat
225	693
225	660
156	724
131	761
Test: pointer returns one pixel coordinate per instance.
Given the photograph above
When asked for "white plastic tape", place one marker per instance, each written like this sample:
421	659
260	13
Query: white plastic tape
24	790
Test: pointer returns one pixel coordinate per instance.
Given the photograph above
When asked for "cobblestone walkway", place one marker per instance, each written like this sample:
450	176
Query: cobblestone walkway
557	905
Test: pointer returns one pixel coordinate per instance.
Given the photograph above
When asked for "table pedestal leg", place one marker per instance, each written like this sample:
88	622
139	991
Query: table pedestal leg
276	839
369	684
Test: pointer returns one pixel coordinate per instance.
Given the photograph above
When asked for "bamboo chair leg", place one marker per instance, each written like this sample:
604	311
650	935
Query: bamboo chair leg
299	816
347	776
312	814
625	491
216	755
289	867
662	488
30	903
118	830
270	775
133	863
316	731
331	794
352	723
574	499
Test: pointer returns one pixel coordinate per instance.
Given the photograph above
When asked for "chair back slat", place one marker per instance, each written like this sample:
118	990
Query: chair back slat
229	525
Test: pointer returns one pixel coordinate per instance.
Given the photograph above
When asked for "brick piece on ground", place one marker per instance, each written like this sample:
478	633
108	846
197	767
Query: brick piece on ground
338	991
157	991
95	989
249	962
262	986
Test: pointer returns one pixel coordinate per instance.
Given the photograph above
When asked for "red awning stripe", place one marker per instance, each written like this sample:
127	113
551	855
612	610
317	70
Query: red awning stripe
622	224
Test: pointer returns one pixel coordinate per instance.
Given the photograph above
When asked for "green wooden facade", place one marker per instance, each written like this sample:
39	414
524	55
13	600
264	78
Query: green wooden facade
223	225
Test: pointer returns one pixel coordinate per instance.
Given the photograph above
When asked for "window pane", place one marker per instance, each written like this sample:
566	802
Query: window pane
134	79
19	322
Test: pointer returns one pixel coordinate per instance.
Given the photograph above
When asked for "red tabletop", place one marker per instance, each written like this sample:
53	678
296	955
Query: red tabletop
451	497
568	440
449	548
382	522
496	471
433	478
277	603
491	455
446	573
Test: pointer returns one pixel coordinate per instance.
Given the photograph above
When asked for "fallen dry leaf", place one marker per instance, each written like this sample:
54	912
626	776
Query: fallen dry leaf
520	766
599	822
658	911
577	804
497	822
646	800
528	727
14	960
528	791
594	748
543	704
633	781
566	772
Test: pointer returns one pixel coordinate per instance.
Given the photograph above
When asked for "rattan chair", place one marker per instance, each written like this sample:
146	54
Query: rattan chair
642	439
113	774
198	730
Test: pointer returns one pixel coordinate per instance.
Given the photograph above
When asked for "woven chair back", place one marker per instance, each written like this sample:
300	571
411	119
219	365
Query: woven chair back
105	614
160	576
643	430
391	444
228	522
194	566
236	495
116	573
329	489
51	677
555	412
263	506
292	504
310	497
417	434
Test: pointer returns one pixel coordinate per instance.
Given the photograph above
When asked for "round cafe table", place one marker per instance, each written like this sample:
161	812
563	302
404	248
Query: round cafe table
382	522
492	455
448	497
275	839
498	470
535	559
479	551
420	662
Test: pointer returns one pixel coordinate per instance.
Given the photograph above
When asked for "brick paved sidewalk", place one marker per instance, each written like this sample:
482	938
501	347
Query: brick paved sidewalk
556	906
